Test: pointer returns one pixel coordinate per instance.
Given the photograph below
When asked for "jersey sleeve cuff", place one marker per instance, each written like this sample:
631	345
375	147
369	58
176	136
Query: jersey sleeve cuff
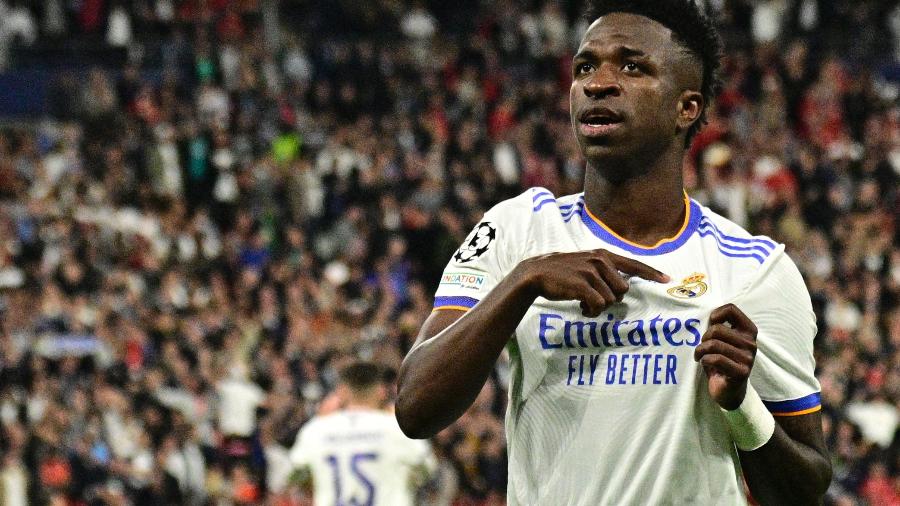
795	407
458	303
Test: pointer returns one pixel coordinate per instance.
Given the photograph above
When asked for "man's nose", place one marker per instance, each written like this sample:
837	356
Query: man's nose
603	83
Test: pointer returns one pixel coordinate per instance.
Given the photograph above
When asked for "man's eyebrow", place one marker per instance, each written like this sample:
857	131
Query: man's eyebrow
629	52
620	51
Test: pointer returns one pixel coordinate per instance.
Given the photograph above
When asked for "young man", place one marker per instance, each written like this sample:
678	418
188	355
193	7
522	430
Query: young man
358	455
659	351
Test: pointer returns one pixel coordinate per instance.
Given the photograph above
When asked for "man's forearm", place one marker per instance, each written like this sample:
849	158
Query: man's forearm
786	471
442	376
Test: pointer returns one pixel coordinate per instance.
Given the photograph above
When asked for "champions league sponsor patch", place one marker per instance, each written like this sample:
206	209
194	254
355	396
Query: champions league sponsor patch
464	280
478	242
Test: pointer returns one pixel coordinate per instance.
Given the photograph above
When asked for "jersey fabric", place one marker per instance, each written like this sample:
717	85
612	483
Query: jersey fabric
361	457
614	410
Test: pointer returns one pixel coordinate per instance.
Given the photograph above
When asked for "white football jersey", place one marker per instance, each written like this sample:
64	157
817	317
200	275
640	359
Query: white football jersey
614	410
361	458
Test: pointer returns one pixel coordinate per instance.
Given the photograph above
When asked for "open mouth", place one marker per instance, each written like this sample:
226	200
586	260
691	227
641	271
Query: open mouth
600	117
598	122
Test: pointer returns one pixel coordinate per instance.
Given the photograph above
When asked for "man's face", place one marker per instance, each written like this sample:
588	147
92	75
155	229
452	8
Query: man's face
628	79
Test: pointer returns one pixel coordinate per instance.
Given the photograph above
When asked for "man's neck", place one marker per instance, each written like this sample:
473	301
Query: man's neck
353	405
643	209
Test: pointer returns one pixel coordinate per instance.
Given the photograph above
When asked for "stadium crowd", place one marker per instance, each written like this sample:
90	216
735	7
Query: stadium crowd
192	244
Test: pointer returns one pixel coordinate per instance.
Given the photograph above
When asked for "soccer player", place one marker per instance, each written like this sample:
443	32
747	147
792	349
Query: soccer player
659	351
358	455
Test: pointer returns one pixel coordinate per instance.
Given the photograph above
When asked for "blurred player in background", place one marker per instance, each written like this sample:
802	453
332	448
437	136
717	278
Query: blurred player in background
653	342
357	454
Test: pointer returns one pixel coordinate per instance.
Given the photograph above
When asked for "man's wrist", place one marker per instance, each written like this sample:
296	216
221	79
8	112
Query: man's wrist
751	424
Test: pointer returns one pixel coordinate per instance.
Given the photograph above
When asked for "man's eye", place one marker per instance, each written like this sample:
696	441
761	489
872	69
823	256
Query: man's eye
583	68
631	67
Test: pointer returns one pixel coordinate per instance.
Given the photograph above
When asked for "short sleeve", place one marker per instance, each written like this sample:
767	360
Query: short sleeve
784	371
493	247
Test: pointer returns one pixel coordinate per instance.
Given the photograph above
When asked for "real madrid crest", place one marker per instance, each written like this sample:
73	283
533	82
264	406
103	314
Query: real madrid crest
691	287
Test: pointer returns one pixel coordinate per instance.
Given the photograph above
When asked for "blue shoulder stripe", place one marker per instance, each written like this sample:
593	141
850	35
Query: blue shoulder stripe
732	254
753	247
539	193
706	222
757	248
542	203
543	197
568	210
575	210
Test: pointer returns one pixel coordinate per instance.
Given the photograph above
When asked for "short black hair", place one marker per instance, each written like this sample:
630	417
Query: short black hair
691	28
361	376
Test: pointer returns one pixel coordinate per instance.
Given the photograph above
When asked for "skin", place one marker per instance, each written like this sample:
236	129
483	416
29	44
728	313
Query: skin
630	66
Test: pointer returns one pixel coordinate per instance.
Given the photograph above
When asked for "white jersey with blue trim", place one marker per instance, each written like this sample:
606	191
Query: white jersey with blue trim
614	410
362	457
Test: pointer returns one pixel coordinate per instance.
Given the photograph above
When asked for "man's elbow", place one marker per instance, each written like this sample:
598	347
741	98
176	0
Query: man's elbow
409	418
411	429
815	489
823	476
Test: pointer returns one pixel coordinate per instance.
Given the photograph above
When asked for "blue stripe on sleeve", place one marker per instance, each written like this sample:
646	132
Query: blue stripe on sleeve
790	406
459	301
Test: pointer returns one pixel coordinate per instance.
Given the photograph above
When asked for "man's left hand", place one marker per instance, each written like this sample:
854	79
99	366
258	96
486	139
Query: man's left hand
726	352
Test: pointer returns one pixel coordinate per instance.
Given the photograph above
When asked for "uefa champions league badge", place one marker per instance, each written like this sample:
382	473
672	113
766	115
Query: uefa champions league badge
691	287
478	242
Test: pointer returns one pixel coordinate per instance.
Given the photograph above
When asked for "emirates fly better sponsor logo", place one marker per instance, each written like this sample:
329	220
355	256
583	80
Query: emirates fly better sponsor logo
464	280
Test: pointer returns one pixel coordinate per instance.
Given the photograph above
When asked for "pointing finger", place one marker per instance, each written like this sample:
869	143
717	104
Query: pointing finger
635	268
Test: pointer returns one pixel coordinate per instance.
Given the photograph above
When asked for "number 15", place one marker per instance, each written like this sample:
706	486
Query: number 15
356	472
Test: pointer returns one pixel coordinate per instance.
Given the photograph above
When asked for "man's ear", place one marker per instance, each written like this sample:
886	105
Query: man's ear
690	106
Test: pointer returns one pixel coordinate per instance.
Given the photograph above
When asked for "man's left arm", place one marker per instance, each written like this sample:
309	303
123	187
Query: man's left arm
301	460
793	467
780	442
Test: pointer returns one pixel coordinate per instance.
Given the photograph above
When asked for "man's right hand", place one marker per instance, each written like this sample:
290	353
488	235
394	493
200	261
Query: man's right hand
454	354
592	277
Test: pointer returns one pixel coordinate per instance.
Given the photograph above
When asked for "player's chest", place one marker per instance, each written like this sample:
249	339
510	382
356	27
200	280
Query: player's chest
647	339
673	315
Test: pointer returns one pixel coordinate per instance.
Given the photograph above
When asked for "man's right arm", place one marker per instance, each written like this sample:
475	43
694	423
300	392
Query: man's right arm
456	351
453	357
